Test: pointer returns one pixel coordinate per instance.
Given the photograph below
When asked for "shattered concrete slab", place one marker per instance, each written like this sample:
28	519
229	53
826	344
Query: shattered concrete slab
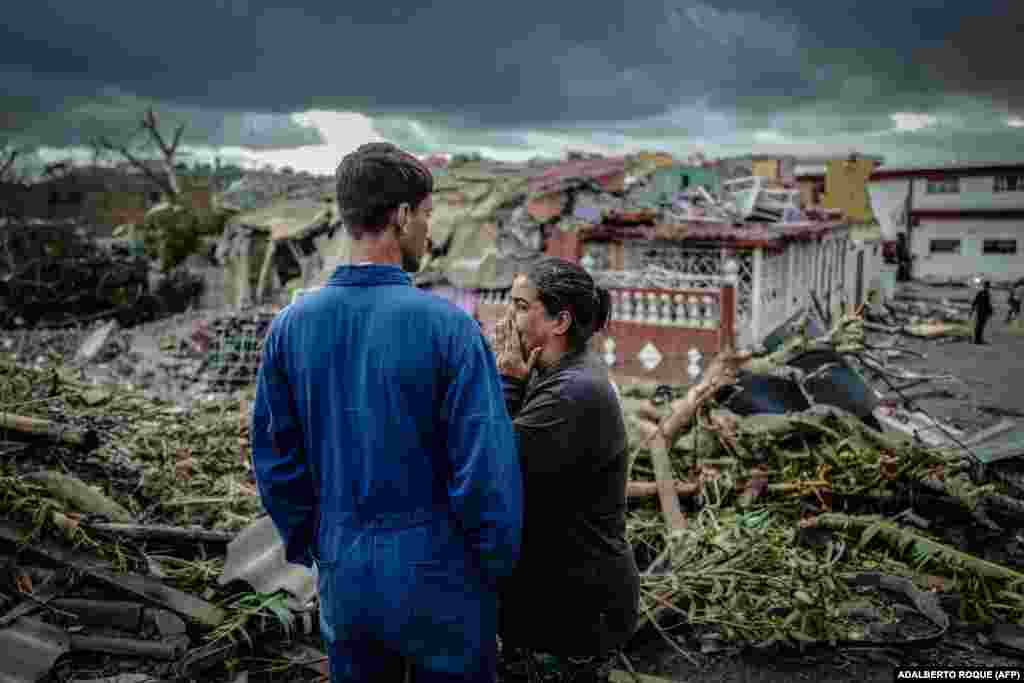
95	341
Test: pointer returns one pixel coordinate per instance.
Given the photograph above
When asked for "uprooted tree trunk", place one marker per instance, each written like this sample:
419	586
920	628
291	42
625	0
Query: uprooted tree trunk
168	180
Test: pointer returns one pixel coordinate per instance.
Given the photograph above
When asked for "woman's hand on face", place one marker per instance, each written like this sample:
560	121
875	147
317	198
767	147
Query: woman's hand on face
509	350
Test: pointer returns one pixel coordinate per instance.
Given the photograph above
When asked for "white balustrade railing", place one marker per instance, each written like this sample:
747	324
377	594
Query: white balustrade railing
666	309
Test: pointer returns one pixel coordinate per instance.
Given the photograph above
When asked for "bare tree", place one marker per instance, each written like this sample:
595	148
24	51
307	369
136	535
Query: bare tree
8	155
168	180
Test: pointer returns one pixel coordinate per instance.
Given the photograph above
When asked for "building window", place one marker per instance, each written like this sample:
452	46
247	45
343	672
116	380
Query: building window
1009	183
943	186
944	247
999	247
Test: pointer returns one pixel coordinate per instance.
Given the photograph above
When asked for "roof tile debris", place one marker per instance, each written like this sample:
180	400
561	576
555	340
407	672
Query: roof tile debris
256	556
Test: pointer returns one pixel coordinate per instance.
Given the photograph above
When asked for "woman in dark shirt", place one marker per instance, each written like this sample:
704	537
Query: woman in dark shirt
575	590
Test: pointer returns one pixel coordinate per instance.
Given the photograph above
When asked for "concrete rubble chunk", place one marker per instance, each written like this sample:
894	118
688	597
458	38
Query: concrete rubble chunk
93	344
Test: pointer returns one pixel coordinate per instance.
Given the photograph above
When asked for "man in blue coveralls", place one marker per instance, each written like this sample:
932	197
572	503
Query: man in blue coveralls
383	449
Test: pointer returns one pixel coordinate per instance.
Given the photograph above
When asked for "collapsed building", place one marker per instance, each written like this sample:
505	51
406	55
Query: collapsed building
698	255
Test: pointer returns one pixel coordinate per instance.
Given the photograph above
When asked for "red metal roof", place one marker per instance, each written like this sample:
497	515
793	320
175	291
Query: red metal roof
555	177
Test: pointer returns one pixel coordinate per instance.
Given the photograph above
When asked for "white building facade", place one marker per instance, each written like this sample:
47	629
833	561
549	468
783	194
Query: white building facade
960	220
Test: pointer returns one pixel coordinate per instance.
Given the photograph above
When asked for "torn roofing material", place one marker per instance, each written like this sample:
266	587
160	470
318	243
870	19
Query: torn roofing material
256	556
288	218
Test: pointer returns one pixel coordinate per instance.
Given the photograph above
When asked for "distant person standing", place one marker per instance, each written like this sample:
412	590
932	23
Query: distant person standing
1016	296
902	258
981	308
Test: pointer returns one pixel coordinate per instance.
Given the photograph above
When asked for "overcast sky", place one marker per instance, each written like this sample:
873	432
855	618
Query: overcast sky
913	80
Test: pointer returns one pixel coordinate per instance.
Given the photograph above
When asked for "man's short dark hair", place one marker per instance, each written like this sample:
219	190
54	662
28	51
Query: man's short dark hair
373	181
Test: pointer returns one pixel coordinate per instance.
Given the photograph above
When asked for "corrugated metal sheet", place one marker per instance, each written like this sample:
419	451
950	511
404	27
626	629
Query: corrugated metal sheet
256	556
30	649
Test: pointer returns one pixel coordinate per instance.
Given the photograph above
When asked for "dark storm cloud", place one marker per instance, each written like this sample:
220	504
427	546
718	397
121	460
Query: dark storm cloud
467	69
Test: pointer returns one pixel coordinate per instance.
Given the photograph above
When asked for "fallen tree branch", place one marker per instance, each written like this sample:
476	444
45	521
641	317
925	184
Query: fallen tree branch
647	489
719	373
142	532
976	497
54	431
903	540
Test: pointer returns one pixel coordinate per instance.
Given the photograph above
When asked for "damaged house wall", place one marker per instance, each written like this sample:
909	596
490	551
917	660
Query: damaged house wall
962	220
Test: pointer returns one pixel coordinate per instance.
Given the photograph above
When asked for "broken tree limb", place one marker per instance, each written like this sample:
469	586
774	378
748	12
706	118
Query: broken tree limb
903	540
55	431
647	489
79	495
166	650
719	373
172	534
665	478
975	497
902	375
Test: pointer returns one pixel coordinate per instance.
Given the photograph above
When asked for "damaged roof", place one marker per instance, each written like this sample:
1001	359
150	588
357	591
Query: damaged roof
288	218
465	223
562	176
743	235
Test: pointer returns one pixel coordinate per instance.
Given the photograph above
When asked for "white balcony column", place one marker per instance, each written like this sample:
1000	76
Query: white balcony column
792	286
757	306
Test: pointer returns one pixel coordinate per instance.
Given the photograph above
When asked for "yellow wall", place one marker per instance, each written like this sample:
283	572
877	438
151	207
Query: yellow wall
846	188
766	168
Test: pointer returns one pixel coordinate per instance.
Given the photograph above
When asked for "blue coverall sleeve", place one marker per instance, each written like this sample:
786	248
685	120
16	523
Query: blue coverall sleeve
486	483
282	471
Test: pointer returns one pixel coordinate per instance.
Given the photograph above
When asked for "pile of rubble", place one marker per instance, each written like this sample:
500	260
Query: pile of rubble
57	275
49	270
189	356
767	509
134	541
923	318
770	511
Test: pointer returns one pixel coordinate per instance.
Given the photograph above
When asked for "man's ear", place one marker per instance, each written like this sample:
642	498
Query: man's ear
402	217
564	322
